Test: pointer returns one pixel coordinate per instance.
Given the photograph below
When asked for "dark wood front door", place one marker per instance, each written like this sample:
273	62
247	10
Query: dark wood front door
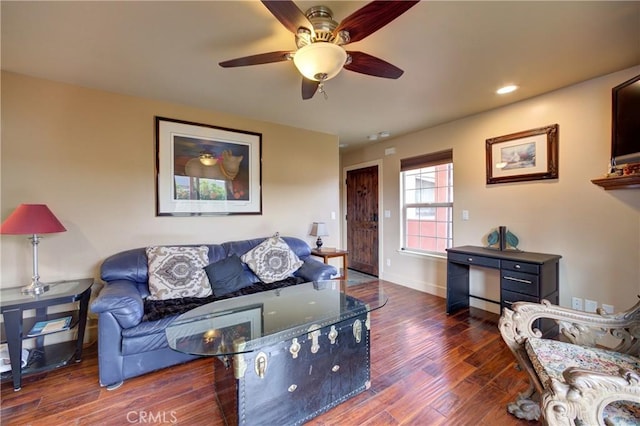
362	219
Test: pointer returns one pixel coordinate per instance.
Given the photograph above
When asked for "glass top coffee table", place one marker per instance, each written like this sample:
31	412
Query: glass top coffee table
247	323
284	356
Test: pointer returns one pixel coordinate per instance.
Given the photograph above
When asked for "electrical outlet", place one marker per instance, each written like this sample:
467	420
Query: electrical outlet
576	303
388	262
590	305
607	308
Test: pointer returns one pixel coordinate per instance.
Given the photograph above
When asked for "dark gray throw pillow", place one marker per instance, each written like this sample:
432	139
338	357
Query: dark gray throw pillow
226	275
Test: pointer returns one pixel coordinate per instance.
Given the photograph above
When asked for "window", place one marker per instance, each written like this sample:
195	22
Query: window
427	202
195	188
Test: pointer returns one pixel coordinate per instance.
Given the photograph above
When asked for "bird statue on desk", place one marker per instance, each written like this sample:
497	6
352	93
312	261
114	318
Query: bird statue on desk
510	240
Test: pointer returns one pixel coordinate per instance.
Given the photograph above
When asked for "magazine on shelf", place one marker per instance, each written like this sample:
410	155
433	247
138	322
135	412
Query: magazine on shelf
5	362
50	326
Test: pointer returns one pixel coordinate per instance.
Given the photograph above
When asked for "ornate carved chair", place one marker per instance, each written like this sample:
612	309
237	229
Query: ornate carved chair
588	375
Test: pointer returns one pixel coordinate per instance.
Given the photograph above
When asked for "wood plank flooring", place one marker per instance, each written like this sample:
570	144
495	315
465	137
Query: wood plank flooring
427	368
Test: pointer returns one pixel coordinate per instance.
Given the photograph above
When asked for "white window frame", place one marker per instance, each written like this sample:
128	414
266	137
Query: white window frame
409	167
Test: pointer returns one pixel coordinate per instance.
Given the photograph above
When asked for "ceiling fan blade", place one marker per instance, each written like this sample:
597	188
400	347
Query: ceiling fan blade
367	64
309	88
370	18
262	58
288	14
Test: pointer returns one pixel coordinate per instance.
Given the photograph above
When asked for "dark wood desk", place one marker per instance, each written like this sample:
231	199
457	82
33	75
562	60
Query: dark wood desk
524	276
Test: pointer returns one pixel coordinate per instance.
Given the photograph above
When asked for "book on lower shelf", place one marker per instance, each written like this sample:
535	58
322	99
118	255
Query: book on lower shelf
5	361
50	326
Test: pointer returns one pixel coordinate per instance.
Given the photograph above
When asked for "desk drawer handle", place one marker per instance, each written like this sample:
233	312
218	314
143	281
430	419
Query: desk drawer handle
517	266
470	259
520	280
508	302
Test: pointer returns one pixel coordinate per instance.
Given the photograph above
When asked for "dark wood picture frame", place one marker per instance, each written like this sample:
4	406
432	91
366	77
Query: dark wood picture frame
523	156
204	170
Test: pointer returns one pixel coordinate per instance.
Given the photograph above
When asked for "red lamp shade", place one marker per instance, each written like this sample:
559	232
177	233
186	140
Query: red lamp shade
31	219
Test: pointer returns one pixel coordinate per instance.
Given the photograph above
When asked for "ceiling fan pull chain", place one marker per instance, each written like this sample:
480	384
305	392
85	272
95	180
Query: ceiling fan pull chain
321	90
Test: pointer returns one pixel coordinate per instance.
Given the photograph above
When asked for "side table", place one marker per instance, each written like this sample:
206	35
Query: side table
328	254
15	328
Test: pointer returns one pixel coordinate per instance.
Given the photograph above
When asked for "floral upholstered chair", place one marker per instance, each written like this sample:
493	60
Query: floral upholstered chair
588	375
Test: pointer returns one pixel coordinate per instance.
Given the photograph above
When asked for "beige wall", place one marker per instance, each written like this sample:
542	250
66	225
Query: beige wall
89	155
596	232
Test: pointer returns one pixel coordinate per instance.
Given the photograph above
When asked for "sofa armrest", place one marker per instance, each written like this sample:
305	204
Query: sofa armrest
123	300
584	395
314	270
582	328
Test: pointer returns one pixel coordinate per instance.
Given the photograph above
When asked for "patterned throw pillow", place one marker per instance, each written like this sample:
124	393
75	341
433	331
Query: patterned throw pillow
176	272
272	260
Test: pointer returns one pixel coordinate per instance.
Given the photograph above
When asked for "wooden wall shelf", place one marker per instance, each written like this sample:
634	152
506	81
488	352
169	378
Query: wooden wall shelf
618	182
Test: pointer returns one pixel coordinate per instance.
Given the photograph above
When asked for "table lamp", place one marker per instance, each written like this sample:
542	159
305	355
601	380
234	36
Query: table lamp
319	229
32	219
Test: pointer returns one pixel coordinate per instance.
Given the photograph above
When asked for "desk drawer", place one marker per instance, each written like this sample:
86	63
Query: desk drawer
520	282
508	298
470	259
530	268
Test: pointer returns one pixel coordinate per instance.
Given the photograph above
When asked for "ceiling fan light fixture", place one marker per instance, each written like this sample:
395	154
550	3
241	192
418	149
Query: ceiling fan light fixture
320	61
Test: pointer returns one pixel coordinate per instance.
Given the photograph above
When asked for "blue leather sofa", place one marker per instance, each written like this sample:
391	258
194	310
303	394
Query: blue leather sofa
128	346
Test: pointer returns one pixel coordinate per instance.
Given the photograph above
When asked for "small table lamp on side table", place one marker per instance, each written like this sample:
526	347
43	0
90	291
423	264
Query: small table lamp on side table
319	229
32	219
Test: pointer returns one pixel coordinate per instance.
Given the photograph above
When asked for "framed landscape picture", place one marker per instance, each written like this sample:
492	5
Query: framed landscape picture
523	156
203	169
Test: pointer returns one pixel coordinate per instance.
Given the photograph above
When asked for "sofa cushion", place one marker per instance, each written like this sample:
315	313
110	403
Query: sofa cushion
178	272
146	336
226	275
272	260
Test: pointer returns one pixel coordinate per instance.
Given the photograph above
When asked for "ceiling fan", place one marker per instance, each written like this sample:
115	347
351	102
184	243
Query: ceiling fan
319	40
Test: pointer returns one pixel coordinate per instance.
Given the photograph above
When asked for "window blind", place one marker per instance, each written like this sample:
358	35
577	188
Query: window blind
426	160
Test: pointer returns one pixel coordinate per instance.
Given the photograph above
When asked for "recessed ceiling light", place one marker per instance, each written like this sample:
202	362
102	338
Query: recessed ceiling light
384	134
506	89
373	137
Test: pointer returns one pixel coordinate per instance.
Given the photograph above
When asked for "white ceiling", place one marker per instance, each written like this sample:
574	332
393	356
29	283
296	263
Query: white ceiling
454	54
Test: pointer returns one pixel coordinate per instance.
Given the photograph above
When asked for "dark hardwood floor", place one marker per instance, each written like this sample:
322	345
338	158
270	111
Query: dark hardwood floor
427	368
